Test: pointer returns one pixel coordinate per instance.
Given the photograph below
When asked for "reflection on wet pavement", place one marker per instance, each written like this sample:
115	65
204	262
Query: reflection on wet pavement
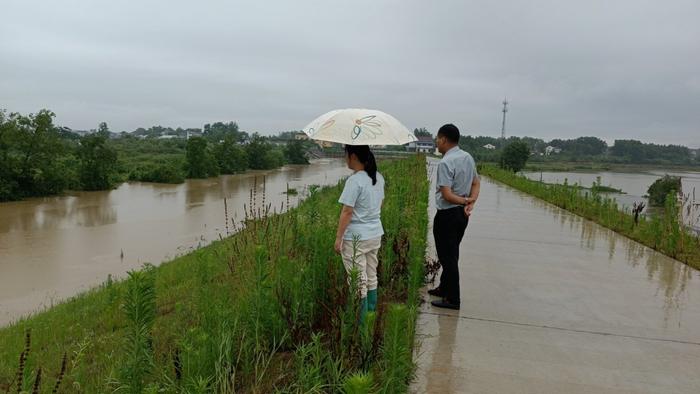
552	302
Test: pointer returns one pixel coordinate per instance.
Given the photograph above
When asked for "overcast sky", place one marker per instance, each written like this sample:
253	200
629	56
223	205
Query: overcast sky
613	69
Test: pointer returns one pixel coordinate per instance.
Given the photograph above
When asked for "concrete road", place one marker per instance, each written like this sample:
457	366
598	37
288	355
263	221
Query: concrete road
552	303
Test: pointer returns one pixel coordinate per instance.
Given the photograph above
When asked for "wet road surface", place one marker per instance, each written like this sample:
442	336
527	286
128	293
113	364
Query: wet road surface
553	303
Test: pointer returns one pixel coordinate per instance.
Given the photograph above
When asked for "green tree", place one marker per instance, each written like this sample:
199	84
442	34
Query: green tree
661	188
230	156
98	162
257	148
295	152
515	156
633	151
9	164
34	153
582	146
274	158
219	131
421	132
200	161
103	129
262	155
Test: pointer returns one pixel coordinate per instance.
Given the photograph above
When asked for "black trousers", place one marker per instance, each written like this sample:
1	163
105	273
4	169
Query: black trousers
448	229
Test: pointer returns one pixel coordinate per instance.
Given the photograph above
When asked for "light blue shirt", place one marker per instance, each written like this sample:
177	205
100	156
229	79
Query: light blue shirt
457	171
366	202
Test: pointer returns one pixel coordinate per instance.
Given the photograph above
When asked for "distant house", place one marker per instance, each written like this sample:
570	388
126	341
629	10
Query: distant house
167	137
551	149
489	147
324	144
191	134
425	144
301	136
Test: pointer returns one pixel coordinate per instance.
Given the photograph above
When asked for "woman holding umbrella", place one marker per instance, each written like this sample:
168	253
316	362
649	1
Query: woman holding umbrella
360	227
360	231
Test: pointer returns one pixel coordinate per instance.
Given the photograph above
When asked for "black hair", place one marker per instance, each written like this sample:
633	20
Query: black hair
366	157
449	131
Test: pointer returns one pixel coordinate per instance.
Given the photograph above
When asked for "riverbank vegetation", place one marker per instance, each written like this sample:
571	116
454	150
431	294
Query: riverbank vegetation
662	187
662	232
39	158
267	309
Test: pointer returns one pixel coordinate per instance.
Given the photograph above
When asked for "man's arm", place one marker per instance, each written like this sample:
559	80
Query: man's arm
473	195
451	197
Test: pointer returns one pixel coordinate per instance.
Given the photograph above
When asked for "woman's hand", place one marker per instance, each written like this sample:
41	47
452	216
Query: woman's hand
343	222
338	245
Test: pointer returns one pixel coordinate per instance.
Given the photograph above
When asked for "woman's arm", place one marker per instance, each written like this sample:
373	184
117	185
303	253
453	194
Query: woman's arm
343	222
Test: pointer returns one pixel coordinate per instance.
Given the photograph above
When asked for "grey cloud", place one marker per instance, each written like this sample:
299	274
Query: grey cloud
623	69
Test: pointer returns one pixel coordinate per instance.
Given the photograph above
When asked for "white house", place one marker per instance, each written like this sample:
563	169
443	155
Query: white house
551	149
489	147
191	134
425	144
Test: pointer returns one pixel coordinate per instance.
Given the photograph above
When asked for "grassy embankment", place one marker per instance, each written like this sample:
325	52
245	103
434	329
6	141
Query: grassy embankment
663	232
267	309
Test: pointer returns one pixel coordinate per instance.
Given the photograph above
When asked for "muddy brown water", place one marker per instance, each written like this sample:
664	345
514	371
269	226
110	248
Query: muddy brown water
53	248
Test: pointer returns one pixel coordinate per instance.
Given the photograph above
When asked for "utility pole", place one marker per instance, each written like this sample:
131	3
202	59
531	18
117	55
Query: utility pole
503	127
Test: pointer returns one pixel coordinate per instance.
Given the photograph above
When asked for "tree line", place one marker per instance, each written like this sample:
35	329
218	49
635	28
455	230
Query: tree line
39	158
583	149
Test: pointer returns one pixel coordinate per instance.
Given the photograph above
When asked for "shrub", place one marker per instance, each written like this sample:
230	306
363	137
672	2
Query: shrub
159	172
515	156
661	188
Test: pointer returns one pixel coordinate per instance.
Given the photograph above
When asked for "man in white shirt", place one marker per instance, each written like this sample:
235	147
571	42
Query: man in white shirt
457	190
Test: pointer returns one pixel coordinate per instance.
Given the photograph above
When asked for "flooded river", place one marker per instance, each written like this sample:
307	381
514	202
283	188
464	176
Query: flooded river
53	248
634	185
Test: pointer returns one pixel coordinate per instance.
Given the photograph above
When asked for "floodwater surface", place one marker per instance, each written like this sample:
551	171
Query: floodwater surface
634	185
53	248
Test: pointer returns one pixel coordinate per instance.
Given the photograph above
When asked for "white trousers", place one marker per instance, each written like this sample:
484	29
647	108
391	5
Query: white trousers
363	255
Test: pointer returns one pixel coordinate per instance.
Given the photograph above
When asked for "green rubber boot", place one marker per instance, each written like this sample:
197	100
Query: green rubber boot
372	300
363	310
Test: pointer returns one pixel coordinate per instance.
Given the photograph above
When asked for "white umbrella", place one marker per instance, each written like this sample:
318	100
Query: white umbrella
359	127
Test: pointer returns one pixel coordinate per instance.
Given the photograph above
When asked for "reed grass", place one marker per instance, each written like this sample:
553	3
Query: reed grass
664	232
267	309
